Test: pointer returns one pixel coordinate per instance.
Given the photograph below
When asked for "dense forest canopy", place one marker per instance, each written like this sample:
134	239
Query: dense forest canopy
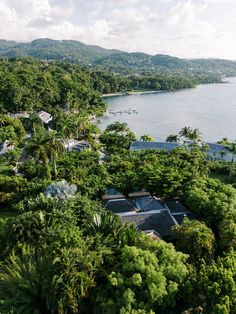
61	250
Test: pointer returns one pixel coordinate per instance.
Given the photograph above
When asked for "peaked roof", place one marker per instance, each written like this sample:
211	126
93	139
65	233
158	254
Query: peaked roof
147	203
120	205
161	221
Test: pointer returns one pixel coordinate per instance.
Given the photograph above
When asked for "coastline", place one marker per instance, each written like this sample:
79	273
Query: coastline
131	93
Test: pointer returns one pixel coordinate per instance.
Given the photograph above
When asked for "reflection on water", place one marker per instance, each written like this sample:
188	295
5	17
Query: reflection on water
210	108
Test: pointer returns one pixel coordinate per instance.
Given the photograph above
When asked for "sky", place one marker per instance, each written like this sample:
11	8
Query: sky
182	28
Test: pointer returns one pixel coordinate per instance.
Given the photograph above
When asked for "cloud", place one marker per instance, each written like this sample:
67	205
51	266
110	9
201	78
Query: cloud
185	28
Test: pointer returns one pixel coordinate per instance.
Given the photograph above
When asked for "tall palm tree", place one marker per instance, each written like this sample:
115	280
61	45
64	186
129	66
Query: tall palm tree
44	147
66	126
185	133
195	135
232	149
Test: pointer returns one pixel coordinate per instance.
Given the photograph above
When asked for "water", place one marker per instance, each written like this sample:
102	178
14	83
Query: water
209	108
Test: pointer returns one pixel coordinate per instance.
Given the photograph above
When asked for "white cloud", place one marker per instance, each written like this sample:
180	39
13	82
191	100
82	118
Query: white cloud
186	28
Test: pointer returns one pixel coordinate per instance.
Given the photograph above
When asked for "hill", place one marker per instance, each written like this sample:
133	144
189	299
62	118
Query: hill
113	60
48	49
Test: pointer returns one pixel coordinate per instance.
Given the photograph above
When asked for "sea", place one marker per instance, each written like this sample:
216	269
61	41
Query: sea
211	108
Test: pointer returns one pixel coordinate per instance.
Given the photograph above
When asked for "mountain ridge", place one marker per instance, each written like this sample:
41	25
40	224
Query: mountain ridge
112	59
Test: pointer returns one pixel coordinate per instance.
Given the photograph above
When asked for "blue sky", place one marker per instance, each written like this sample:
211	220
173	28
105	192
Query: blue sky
184	28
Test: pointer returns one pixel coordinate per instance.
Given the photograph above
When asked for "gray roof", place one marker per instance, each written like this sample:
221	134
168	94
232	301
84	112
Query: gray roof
215	151
121	205
161	222
137	145
76	145
147	203
179	212
176	207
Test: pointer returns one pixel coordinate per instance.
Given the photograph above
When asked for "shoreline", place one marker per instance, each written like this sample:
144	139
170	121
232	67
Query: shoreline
131	93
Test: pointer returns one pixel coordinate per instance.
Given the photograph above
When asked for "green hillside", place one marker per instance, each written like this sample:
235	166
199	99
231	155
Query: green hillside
113	60
48	49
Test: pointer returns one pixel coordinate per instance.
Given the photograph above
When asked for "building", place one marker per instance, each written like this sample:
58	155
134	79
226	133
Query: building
138	145
75	145
213	151
148	213
44	116
218	152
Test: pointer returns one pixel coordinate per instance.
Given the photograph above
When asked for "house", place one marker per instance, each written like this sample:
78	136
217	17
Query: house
178	211
75	145
148	213
5	147
218	152
214	151
159	221
44	116
138	145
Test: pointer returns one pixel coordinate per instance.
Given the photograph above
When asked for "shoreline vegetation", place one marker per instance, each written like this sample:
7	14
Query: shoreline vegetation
144	92
133	92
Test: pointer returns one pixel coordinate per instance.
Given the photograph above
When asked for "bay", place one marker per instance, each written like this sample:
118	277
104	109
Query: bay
210	108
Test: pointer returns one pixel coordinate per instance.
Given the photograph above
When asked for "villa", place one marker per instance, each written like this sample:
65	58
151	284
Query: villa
148	213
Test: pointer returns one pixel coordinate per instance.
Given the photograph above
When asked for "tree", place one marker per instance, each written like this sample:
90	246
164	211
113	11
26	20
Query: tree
43	147
232	148
147	138
139	282
172	138
117	136
196	239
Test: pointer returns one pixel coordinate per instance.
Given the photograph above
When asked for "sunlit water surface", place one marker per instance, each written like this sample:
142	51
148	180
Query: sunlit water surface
209	108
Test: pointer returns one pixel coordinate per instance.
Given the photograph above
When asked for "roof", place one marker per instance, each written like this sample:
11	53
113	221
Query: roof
139	194
179	212
112	197
153	234
44	116
137	145
161	222
120	205
76	145
147	203
215	151
176	207
180	217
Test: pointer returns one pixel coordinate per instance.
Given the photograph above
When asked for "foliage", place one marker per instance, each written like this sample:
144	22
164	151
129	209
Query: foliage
196	239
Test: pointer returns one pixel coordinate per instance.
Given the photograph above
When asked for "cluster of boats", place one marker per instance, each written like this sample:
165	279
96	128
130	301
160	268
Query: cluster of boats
128	111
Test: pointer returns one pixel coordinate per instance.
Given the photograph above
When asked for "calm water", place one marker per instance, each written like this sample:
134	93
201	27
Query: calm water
210	108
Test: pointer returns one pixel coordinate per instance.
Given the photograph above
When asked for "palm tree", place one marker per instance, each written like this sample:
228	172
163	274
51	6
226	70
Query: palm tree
21	288
66	125
34	122
44	147
172	138
232	149
146	138
195	135
185	132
